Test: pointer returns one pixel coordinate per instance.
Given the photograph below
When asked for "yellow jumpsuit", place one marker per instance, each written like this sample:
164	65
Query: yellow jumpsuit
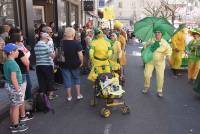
158	63
178	43
193	61
100	52
116	54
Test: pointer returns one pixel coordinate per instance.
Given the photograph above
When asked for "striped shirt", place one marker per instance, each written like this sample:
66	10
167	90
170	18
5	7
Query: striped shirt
42	52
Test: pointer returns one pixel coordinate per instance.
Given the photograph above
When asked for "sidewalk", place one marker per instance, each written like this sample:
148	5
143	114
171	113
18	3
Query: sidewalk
4	103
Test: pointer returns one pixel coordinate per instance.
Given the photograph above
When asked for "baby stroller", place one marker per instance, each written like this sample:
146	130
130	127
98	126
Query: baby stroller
108	89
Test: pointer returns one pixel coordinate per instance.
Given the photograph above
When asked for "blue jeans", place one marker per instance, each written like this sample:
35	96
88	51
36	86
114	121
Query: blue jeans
71	76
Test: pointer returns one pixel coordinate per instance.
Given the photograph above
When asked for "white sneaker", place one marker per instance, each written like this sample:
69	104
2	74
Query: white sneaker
69	98
79	97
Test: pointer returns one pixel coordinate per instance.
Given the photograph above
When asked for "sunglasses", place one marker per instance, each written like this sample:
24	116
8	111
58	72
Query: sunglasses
157	32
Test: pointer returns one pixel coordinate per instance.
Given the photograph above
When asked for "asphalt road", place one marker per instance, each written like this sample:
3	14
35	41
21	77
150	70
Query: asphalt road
178	112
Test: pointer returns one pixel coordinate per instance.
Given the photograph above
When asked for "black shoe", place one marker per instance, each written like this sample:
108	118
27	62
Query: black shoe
20	124
26	118
18	128
53	97
29	115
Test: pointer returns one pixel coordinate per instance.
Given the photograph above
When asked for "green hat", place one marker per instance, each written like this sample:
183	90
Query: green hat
97	31
195	30
117	33
160	29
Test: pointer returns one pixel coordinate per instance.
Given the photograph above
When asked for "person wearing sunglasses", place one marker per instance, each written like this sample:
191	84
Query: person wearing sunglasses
161	50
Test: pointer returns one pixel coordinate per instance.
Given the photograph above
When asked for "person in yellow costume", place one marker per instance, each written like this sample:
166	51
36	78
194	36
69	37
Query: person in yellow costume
123	33
122	39
117	52
158	61
100	52
194	54
178	44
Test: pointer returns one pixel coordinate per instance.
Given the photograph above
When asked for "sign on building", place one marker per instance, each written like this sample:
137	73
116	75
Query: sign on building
101	3
88	5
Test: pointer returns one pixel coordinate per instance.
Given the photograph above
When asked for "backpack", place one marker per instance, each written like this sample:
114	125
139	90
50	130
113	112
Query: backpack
42	103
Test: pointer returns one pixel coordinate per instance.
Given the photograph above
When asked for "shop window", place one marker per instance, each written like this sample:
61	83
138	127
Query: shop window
63	8
74	14
120	4
6	12
38	14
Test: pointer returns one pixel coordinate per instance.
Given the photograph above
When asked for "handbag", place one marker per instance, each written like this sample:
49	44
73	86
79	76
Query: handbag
61	56
147	55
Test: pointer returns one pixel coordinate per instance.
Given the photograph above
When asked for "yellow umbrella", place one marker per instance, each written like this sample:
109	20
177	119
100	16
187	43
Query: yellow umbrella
108	13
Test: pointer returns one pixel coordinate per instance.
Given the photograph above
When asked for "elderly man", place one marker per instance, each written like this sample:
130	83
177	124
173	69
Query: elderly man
158	61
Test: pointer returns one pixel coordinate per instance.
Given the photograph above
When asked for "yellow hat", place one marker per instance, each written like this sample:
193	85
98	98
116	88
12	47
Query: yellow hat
118	24
195	30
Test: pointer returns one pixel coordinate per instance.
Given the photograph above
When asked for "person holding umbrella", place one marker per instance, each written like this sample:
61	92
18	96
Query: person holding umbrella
161	50
155	32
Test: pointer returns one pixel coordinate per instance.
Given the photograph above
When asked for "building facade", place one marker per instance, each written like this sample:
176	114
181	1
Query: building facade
124	10
26	13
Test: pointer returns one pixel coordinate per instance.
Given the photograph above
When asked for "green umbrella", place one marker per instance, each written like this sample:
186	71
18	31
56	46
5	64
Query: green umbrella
145	28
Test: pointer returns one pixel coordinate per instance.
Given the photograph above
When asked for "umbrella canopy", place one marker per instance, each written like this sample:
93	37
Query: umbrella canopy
145	28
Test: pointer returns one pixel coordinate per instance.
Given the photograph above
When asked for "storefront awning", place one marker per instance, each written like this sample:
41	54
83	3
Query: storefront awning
92	14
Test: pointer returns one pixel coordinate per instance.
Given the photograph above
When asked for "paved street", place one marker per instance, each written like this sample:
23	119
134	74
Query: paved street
177	113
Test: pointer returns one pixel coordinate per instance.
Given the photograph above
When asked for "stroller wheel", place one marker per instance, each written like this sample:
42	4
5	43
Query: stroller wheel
93	103
105	112
125	110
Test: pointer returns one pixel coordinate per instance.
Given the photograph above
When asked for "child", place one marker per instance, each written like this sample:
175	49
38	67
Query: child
14	80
